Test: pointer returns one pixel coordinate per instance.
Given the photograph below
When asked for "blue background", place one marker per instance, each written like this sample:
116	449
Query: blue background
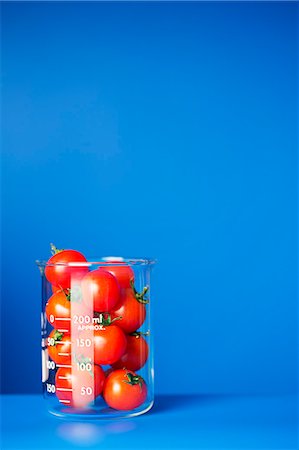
166	130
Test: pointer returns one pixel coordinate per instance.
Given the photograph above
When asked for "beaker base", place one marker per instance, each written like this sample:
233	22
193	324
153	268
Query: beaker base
98	413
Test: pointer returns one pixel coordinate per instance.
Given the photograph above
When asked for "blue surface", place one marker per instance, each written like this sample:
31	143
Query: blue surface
166	130
175	422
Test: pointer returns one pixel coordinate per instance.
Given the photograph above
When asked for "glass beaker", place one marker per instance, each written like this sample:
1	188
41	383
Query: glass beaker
97	350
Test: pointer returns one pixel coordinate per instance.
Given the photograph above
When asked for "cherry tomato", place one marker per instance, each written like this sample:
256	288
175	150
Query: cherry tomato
56	289
58	310
102	288
123	273
108	371
64	266
131	311
135	355
66	380
109	344
59	347
124	390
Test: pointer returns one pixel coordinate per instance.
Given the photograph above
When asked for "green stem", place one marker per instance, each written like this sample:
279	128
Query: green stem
139	333
133	380
67	292
105	318
57	336
116	318
140	295
54	249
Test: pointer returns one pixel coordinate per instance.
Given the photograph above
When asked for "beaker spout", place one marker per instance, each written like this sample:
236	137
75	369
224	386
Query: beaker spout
41	266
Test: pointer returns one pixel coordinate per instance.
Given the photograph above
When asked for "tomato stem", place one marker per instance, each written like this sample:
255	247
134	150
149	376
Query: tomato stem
140	295
105	318
54	249
66	292
133	379
57	336
137	334
116	318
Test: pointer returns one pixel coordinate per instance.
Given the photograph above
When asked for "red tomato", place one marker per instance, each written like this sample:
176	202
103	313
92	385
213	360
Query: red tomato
56	289
65	380
59	347
135	355
102	288
64	266
124	390
109	344
58	310
132	312
108	371
123	273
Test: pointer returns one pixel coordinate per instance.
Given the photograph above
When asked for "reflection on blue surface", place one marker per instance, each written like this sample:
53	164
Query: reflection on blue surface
88	434
176	422
80	433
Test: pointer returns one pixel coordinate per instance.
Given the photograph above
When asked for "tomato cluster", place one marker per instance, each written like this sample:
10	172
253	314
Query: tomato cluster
118	311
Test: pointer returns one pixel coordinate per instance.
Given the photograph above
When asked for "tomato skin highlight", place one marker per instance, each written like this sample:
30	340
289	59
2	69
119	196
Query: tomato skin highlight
135	356
123	273
109	344
132	312
121	395
66	380
60	274
59	306
102	288
60	353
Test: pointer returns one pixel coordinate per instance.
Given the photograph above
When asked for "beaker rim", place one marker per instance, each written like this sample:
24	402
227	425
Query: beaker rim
101	261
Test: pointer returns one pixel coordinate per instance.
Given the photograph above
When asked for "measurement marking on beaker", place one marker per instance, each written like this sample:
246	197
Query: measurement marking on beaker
63	378
64	365
62	343
63	318
65	401
62	330
64	389
63	354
